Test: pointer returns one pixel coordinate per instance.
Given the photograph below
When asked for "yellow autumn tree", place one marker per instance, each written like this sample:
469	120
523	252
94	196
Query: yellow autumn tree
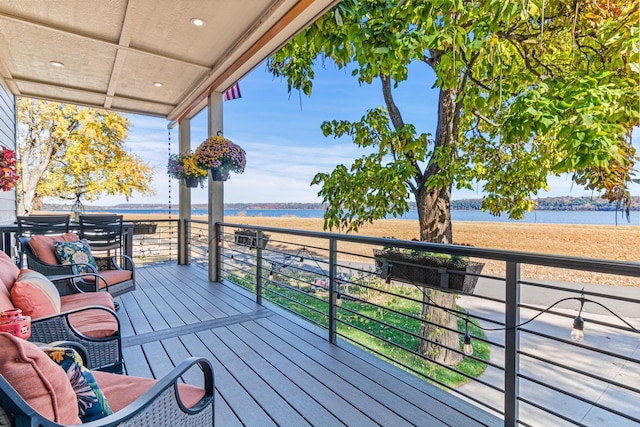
66	151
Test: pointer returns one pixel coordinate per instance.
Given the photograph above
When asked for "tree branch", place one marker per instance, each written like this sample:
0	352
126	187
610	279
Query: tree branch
396	117
485	118
392	108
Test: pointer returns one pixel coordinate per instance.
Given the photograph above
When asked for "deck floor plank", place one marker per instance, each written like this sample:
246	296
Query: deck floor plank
177	352
310	396
346	383
136	363
167	310
224	415
269	400
219	304
126	327
191	310
245	409
179	283
251	349
231	300
159	361
151	313
371	377
134	313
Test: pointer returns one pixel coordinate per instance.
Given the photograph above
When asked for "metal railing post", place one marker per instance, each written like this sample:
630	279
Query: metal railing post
187	242
512	344
259	268
184	255
332	290
215	255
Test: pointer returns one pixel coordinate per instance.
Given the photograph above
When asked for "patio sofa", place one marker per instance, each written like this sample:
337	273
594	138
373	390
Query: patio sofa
35	391
88	319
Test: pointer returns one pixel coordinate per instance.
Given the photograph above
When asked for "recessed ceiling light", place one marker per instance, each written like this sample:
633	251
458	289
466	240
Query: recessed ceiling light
158	84
197	22
56	64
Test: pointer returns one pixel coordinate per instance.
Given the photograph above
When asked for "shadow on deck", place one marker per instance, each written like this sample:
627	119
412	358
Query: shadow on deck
270	368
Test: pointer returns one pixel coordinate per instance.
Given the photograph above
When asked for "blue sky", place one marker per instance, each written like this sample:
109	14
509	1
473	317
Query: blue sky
282	137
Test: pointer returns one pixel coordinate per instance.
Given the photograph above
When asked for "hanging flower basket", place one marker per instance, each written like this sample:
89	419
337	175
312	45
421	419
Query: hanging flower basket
185	168
8	169
221	156
219	175
427	270
191	182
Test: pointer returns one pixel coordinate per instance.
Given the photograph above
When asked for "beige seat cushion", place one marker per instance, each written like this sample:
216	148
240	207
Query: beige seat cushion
38	379
121	390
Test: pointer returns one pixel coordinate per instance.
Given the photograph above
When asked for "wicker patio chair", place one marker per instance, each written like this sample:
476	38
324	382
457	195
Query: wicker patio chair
104	354
91	282
162	403
103	233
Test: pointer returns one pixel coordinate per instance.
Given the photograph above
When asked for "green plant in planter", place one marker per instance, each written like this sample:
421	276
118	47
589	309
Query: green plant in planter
426	268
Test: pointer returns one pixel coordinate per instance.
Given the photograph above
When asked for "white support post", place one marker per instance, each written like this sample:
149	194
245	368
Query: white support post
216	190
184	254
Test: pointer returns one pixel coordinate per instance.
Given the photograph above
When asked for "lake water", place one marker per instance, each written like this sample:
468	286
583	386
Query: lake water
548	217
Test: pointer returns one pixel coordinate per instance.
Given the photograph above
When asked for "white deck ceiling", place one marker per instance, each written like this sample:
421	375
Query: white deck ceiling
114	51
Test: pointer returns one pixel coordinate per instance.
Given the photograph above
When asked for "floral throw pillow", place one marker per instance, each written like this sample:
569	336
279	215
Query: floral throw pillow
75	253
92	404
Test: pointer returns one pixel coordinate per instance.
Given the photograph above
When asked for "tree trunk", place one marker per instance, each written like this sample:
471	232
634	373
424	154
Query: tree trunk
29	177
435	226
434	213
437	340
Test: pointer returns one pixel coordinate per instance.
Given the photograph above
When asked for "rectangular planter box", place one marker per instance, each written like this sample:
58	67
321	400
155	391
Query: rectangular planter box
145	228
426	270
250	238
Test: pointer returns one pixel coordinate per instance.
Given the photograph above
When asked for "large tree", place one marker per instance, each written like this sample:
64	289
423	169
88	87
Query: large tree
68	152
527	89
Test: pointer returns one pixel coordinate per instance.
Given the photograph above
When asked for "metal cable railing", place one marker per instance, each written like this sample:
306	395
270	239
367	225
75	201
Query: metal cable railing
520	372
154	241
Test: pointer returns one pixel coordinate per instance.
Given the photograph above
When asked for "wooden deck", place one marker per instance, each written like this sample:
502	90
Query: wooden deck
270	368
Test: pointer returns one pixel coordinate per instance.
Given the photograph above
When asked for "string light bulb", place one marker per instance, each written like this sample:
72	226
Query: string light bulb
467	348
388	279
301	261
338	299
577	333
